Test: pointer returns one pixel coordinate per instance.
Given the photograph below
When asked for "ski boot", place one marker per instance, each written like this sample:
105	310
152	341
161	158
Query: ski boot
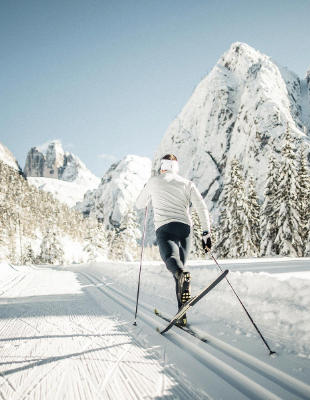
184	286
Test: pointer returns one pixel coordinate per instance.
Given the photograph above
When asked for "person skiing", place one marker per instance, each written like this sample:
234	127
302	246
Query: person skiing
171	196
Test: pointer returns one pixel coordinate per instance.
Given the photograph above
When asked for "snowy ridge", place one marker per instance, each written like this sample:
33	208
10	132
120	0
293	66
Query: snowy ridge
119	188
61	173
67	192
7	157
58	164
239	110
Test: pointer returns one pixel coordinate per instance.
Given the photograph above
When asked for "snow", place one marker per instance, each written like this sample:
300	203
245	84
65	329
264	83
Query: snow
118	190
240	109
67	192
61	173
7	157
67	333
305	103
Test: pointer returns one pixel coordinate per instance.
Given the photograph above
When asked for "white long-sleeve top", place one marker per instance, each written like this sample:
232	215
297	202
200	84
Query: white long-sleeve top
171	196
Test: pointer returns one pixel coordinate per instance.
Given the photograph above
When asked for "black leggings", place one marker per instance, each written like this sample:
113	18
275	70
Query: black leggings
174	241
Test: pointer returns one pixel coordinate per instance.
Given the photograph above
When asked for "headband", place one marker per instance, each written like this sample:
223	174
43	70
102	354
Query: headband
169	165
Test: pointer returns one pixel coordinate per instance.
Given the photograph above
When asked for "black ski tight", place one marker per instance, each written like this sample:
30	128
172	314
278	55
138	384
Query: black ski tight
174	241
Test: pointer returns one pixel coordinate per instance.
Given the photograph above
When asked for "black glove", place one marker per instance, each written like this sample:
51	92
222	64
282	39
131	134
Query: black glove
206	241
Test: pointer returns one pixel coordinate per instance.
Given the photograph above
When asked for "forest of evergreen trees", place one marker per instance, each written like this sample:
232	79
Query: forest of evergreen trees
280	226
34	226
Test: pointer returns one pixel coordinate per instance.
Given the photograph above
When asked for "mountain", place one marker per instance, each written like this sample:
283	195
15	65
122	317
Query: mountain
61	173
240	109
119	188
7	157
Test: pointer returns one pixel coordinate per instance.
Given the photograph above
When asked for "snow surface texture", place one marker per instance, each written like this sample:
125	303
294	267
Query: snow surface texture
240	109
61	167
7	157
67	333
119	189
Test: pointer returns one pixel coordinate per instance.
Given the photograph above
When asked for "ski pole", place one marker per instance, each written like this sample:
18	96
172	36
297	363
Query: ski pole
251	319
142	248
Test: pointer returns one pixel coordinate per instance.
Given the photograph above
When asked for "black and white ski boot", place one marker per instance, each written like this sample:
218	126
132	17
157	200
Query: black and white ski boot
184	286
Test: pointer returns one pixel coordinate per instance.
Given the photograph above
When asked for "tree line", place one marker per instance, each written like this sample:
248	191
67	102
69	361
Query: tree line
278	226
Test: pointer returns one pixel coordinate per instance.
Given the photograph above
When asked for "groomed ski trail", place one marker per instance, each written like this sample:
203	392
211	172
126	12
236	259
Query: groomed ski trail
69	335
60	343
235	360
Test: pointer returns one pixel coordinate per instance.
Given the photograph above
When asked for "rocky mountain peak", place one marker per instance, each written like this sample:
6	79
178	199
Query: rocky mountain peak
240	109
119	189
54	157
58	164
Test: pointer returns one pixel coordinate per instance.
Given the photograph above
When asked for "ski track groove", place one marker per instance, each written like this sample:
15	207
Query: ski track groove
146	377
33	327
298	388
117	369
32	383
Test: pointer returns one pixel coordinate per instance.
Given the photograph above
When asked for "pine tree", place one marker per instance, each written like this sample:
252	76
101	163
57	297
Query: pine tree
197	251
234	229
253	220
303	179
288	220
51	248
96	241
270	209
116	252
124	246
29	255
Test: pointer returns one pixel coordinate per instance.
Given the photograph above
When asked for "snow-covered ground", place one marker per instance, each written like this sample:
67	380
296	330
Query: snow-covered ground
67	332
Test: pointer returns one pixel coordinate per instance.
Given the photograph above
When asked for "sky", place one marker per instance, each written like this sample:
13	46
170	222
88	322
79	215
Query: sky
107	78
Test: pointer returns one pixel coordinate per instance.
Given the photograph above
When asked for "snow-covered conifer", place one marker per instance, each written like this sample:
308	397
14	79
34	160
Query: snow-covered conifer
51	247
269	210
124	246
29	255
234	231
288	239
253	217
303	178
96	242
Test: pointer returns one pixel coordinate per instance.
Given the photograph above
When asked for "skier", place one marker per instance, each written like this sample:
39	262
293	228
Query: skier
171	196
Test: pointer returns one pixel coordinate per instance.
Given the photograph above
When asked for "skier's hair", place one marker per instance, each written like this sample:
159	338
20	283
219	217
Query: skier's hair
170	157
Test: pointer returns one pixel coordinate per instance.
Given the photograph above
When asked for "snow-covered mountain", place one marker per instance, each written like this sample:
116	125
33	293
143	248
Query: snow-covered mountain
240	109
119	188
7	157
61	173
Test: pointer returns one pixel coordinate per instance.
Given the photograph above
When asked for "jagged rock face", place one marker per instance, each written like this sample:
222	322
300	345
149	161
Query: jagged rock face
35	161
54	160
119	189
7	157
58	164
239	110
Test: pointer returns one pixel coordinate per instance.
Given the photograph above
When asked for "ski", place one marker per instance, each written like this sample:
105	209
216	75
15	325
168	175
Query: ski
185	328
190	303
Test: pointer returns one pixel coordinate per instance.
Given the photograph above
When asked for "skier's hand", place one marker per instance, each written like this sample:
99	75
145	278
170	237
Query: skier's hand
206	241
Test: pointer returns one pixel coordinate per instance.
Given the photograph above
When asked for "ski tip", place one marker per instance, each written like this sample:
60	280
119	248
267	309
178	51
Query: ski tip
156	311
158	330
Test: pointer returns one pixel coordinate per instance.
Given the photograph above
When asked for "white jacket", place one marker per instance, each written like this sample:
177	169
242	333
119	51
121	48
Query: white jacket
171	196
